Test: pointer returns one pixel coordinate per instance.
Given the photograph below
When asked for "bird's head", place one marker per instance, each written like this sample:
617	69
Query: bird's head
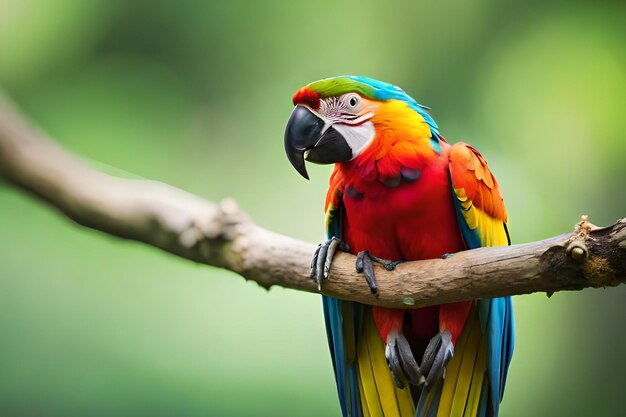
337	119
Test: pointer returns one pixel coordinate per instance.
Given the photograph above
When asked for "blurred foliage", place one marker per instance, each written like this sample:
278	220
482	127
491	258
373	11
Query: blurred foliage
196	94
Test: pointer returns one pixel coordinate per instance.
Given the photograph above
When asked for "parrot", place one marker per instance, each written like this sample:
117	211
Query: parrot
400	192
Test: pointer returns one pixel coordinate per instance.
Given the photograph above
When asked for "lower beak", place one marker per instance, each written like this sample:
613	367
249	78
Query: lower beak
305	132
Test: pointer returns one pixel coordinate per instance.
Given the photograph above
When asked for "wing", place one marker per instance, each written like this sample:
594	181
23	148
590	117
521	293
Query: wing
482	219
364	383
339	317
478	199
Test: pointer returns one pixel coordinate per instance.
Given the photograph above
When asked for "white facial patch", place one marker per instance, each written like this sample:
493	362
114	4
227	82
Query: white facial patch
358	137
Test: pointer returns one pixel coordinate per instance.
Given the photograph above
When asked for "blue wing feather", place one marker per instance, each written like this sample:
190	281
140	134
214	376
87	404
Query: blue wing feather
345	373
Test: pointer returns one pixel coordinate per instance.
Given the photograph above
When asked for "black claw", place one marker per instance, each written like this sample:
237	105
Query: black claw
323	258
401	361
393	362
430	353
314	261
436	356
364	264
332	248
447	255
359	262
407	360
319	264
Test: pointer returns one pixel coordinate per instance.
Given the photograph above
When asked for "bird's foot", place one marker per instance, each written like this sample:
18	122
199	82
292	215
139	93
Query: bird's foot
365	264
323	258
401	361
436	356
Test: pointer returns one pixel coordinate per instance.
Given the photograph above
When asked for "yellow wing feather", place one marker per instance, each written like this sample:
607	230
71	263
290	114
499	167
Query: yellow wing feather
364	406
466	371
491	230
369	393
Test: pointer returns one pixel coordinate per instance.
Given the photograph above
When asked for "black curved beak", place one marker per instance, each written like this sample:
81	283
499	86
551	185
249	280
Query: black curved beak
305	132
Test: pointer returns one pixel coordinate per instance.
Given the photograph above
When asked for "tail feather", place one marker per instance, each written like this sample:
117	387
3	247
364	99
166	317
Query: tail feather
478	385
364	406
355	396
369	400
466	377
429	401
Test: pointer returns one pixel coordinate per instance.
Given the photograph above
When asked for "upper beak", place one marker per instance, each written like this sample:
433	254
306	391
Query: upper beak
305	132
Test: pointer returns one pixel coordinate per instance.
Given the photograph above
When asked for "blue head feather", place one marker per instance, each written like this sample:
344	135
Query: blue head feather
386	91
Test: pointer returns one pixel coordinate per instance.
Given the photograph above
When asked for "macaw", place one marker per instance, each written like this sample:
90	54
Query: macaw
399	192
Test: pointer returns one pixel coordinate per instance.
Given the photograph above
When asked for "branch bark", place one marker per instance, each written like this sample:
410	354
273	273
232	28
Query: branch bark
221	235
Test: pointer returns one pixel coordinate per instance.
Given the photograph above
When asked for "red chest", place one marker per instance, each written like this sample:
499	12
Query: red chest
413	220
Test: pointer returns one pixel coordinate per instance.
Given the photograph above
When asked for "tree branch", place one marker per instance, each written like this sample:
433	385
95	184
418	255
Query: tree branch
221	235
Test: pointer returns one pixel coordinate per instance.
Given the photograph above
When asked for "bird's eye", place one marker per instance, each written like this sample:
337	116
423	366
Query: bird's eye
353	101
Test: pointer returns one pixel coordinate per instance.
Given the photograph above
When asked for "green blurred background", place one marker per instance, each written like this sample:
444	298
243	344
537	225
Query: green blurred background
196	94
